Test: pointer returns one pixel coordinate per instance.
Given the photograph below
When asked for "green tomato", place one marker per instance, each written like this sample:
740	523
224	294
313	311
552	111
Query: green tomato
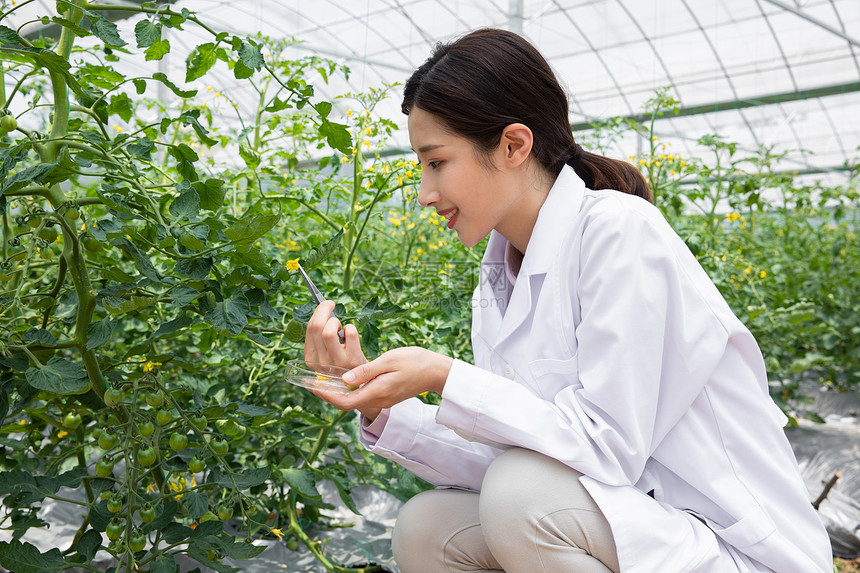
34	221
104	467
92	245
219	445
137	541
115	529
8	123
225	512
196	465
114	504
199	421
146	512
146	428
49	234
178	442
163	417
292	544
147	456
155	399
72	420
113	396
107	440
72	214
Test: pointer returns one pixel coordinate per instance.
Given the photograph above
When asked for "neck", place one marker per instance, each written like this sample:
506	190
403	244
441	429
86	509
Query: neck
517	229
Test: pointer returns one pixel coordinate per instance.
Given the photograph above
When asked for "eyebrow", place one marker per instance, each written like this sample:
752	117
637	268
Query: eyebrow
429	147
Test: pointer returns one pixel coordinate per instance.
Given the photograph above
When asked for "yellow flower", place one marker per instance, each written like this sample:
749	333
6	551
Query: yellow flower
349	112
747	270
277	533
762	274
117	128
723	258
62	434
293	265
22	422
150	366
150	488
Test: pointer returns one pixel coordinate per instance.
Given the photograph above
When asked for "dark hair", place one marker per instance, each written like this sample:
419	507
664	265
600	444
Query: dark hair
489	79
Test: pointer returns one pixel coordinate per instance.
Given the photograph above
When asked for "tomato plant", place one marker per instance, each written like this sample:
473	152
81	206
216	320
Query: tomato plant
146	289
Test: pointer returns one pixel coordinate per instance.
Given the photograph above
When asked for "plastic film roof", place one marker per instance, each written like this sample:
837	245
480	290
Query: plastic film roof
780	73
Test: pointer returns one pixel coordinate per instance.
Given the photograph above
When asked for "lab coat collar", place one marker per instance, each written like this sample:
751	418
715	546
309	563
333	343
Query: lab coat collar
499	321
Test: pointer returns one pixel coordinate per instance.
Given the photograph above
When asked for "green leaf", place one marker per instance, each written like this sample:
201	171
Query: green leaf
248	229
60	376
79	31
107	32
200	61
157	50
122	106
319	254
197	269
172	87
146	33
301	481
187	205
336	135
295	331
211	193
201	556
31	175
165	563
197	504
141	147
183	295
230	315
89	544
99	332
191	242
172	326
238	549
119	306
241	71
40	335
139	85
25	558
251	56
9	36
192	118
244	479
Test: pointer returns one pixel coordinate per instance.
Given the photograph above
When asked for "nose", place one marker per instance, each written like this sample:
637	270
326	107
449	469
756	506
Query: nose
426	194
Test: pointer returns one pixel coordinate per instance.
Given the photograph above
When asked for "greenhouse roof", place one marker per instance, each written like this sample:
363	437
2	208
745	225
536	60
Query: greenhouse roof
780	73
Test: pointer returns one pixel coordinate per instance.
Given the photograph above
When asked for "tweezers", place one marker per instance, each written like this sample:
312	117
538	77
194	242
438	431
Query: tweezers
318	297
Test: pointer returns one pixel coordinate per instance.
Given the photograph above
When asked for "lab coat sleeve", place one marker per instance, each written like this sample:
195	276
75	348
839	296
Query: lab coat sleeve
647	338
409	435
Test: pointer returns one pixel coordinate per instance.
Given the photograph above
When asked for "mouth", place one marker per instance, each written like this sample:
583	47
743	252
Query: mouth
451	215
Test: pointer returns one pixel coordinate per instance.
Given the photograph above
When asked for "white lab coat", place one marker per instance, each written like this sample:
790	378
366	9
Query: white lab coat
614	353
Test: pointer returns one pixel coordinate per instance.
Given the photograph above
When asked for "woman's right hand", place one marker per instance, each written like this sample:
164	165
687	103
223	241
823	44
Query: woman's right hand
322	345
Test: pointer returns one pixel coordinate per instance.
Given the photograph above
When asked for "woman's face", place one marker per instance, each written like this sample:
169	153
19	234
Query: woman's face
474	198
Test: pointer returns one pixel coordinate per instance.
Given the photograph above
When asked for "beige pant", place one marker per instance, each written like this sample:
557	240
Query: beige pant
532	516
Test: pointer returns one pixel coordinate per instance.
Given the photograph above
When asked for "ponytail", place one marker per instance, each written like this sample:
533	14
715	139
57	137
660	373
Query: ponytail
488	79
599	172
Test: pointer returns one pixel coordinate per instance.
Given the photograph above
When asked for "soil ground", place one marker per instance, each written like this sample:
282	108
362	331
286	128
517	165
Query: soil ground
845	566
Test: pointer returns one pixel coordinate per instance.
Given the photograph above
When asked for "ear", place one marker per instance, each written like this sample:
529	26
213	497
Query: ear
516	144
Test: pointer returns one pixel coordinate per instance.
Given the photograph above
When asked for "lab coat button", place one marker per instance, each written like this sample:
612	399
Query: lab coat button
508	372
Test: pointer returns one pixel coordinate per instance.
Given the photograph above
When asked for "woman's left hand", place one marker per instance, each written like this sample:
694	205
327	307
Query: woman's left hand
395	376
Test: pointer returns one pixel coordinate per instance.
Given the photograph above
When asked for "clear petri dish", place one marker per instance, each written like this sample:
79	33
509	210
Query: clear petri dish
316	376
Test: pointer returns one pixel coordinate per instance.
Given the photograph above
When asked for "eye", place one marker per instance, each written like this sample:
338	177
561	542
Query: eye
433	164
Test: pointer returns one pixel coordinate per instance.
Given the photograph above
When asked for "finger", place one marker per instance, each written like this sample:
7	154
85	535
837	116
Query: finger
314	348
329	336
366	372
352	345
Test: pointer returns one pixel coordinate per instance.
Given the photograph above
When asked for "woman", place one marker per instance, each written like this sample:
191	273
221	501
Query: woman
617	417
